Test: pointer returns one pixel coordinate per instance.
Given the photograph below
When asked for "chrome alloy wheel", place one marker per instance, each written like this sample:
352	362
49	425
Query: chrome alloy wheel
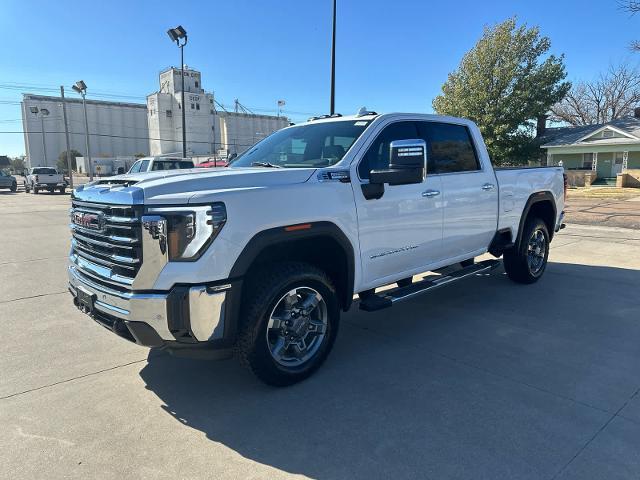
297	326
536	252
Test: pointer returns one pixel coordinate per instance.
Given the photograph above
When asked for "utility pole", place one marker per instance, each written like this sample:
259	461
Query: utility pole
66	136
332	109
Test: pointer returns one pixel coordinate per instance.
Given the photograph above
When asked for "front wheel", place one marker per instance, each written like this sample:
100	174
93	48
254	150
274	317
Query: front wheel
526	262
289	322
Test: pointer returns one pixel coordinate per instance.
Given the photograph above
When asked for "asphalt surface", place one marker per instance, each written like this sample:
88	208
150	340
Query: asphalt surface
484	379
623	211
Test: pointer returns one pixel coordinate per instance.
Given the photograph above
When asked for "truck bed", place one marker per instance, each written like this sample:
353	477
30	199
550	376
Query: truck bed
516	184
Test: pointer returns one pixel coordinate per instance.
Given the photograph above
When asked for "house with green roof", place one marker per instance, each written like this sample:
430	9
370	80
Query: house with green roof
596	154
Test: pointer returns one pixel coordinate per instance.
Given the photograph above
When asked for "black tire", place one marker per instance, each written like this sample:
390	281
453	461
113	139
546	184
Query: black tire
26	188
35	190
263	293
61	190
517	263
14	187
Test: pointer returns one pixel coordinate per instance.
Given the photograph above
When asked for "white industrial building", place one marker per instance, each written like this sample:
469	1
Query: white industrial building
118	129
209	131
115	128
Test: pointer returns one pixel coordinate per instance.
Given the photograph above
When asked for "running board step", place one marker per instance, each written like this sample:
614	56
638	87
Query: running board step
387	298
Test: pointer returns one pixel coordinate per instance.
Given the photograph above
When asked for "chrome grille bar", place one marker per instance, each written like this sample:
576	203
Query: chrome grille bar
106	243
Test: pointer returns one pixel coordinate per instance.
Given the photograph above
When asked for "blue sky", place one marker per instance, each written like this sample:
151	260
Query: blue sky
263	50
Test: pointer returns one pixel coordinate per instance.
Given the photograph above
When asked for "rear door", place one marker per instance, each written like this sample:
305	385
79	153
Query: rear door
470	190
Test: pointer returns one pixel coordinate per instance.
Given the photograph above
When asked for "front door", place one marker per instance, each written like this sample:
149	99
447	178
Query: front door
401	232
616	168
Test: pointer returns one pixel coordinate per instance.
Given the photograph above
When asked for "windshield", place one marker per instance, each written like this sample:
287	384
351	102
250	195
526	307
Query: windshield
305	146
45	171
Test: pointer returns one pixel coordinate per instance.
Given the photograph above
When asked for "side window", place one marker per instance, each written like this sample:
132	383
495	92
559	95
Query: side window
135	168
377	157
144	165
450	148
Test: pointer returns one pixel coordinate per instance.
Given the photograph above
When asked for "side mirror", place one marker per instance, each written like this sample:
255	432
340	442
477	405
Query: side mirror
407	164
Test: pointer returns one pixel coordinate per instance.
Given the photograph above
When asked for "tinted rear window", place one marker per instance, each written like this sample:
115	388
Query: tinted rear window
450	148
45	171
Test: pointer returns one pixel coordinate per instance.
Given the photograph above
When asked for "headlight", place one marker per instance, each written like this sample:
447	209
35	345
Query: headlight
190	229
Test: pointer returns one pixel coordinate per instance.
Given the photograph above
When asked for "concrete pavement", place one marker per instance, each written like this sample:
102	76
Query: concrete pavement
482	379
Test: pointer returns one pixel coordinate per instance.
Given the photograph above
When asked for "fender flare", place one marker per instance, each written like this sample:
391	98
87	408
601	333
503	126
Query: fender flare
542	196
289	233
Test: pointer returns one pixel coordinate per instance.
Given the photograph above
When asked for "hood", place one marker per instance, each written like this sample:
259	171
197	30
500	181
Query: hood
179	186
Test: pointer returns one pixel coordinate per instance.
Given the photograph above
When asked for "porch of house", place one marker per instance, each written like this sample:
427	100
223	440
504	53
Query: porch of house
595	166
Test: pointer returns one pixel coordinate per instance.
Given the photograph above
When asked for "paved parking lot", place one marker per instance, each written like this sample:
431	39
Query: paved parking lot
483	379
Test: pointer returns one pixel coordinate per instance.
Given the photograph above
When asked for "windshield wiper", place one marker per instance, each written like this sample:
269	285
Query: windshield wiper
265	164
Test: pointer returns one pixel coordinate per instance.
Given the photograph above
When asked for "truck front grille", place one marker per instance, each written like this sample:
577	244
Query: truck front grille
106	243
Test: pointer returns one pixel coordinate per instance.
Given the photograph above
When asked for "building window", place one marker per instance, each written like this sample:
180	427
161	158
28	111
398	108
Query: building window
192	106
607	133
169	113
211	100
587	161
197	106
197	84
213	112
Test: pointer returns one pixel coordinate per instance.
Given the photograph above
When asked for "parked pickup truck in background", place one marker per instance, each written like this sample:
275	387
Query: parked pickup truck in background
44	178
152	164
261	257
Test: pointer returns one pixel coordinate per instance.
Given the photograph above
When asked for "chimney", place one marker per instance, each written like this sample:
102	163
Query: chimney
636	112
541	126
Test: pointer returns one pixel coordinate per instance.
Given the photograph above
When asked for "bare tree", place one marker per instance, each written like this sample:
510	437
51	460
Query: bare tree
633	7
613	95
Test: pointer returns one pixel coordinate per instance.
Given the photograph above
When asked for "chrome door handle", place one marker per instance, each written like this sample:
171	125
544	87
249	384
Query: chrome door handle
431	193
488	186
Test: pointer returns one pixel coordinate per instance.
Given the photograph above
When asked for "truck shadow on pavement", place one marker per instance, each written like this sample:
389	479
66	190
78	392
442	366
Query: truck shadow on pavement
483	379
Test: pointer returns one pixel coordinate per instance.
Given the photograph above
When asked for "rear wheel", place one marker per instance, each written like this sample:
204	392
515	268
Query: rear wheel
289	323
35	190
526	262
61	189
14	187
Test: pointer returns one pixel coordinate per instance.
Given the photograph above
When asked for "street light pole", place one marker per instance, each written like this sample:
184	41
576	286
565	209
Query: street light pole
81	88
42	112
332	109
177	34
44	143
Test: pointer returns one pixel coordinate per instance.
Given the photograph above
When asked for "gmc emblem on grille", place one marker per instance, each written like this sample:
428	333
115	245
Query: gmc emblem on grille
92	221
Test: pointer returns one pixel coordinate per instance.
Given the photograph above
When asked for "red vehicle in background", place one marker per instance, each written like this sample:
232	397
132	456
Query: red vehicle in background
220	162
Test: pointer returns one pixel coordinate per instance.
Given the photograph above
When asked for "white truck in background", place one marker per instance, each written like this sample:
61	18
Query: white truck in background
44	178
261	257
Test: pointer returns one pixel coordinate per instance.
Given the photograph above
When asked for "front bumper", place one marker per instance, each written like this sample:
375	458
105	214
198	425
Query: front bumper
187	315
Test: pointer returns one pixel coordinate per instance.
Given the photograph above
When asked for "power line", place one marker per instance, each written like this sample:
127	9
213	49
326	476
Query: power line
36	132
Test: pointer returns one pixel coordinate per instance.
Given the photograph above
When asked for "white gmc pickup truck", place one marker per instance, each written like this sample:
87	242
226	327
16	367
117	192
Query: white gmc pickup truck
261	257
